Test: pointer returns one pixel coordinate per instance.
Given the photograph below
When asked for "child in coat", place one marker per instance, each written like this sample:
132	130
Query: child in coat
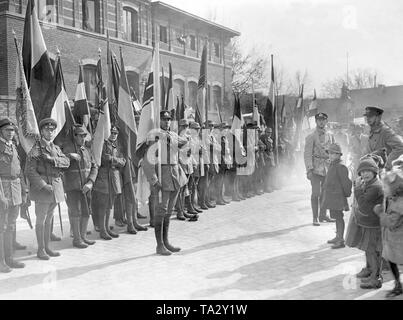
337	188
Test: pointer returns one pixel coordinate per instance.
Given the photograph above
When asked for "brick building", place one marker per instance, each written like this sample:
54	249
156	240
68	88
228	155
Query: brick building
78	29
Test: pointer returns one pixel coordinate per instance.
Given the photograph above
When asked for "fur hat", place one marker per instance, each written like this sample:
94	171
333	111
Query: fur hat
368	164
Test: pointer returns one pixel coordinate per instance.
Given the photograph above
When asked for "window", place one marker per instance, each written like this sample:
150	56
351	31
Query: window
217	49
47	10
90	81
130	25
91	15
163	34
192	43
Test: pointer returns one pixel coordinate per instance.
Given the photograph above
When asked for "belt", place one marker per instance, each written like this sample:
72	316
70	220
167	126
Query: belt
9	177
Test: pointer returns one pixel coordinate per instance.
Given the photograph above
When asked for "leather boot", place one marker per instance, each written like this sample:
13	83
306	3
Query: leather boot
188	205
4	268
129	214
135	215
48	228
101	220
107	228
95	222
179	209
54	237
83	231
16	245
158	226
336	239
396	291
40	237
77	241
165	232
151	210
9	251
193	201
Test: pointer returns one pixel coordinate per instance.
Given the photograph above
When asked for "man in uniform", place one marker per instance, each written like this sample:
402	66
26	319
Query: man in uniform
267	140
169	183
317	162
381	136
108	184
196	150
45	170
79	180
10	194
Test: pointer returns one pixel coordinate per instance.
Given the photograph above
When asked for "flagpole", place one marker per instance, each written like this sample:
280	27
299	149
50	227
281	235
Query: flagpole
206	89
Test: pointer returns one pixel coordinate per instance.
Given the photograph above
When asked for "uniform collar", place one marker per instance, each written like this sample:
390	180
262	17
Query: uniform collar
377	129
320	131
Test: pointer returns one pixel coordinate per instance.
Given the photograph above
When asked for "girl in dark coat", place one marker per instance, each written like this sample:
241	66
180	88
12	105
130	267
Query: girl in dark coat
337	188
366	235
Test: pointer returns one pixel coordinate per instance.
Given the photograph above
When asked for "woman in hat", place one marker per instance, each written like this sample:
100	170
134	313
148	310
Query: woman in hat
365	231
337	188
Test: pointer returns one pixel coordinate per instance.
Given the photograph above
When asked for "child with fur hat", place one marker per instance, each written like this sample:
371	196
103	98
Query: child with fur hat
392	223
337	188
364	231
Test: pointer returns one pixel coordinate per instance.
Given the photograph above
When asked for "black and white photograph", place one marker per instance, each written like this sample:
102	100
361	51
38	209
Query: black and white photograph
203	154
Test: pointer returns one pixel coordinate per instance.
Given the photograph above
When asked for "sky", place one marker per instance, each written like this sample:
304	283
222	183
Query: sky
315	35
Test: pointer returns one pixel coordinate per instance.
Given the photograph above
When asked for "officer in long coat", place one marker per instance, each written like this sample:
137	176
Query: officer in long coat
45	170
10	194
317	162
381	136
79	180
169	183
108	184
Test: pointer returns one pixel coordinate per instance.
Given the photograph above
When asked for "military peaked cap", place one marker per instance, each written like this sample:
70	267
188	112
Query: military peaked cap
373	111
6	122
321	115
48	122
165	115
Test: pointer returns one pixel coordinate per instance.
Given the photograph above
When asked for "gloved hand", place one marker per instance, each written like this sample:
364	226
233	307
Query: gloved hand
75	156
48	188
87	187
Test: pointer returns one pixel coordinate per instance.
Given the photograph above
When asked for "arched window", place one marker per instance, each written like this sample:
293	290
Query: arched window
47	10
192	93
130	24
91	12
90	82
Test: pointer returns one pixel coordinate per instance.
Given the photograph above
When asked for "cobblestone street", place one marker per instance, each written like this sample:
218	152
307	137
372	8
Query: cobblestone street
261	248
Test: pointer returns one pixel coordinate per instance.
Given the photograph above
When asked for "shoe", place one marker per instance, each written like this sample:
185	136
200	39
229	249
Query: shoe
51	253
84	232
197	210
165	232
334	240
204	207
189	215
220	203
139	227
180	216
372	284
13	264
236	199
104	235
210	205
41	254
316	222
112	234
79	245
364	273
75	227
338	245
161	250
4	268
396	291
18	246
226	202
326	219
131	229
194	218
119	223
54	237
139	216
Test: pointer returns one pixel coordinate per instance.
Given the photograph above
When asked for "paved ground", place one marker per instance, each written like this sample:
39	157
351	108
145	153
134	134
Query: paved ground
262	248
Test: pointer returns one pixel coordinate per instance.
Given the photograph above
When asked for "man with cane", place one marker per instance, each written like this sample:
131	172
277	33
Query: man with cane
45	170
79	179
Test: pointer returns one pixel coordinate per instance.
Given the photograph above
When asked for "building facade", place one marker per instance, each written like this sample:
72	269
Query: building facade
78	29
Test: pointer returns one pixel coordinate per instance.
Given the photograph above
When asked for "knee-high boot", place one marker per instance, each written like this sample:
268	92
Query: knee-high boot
151	210
16	245
40	238
77	241
107	228
178	206
9	250
136	224
165	232
4	268
83	231
48	228
53	237
158	226
129	218
101	221
315	208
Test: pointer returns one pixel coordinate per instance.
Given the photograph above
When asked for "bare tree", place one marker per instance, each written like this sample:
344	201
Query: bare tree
252	66
300	78
358	79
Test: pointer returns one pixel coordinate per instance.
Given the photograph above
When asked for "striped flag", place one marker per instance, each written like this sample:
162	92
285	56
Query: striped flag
81	109
38	68
61	111
237	120
103	128
28	131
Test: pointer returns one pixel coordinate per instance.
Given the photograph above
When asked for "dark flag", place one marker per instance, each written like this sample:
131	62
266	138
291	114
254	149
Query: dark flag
269	111
163	92
202	84
38	68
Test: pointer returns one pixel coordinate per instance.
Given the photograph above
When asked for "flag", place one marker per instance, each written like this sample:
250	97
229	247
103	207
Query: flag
163	92
114	87
269	111
169	88
202	84
198	116
28	131
237	120
283	113
81	109
38	68
61	111
313	106
103	128
255	115
180	111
